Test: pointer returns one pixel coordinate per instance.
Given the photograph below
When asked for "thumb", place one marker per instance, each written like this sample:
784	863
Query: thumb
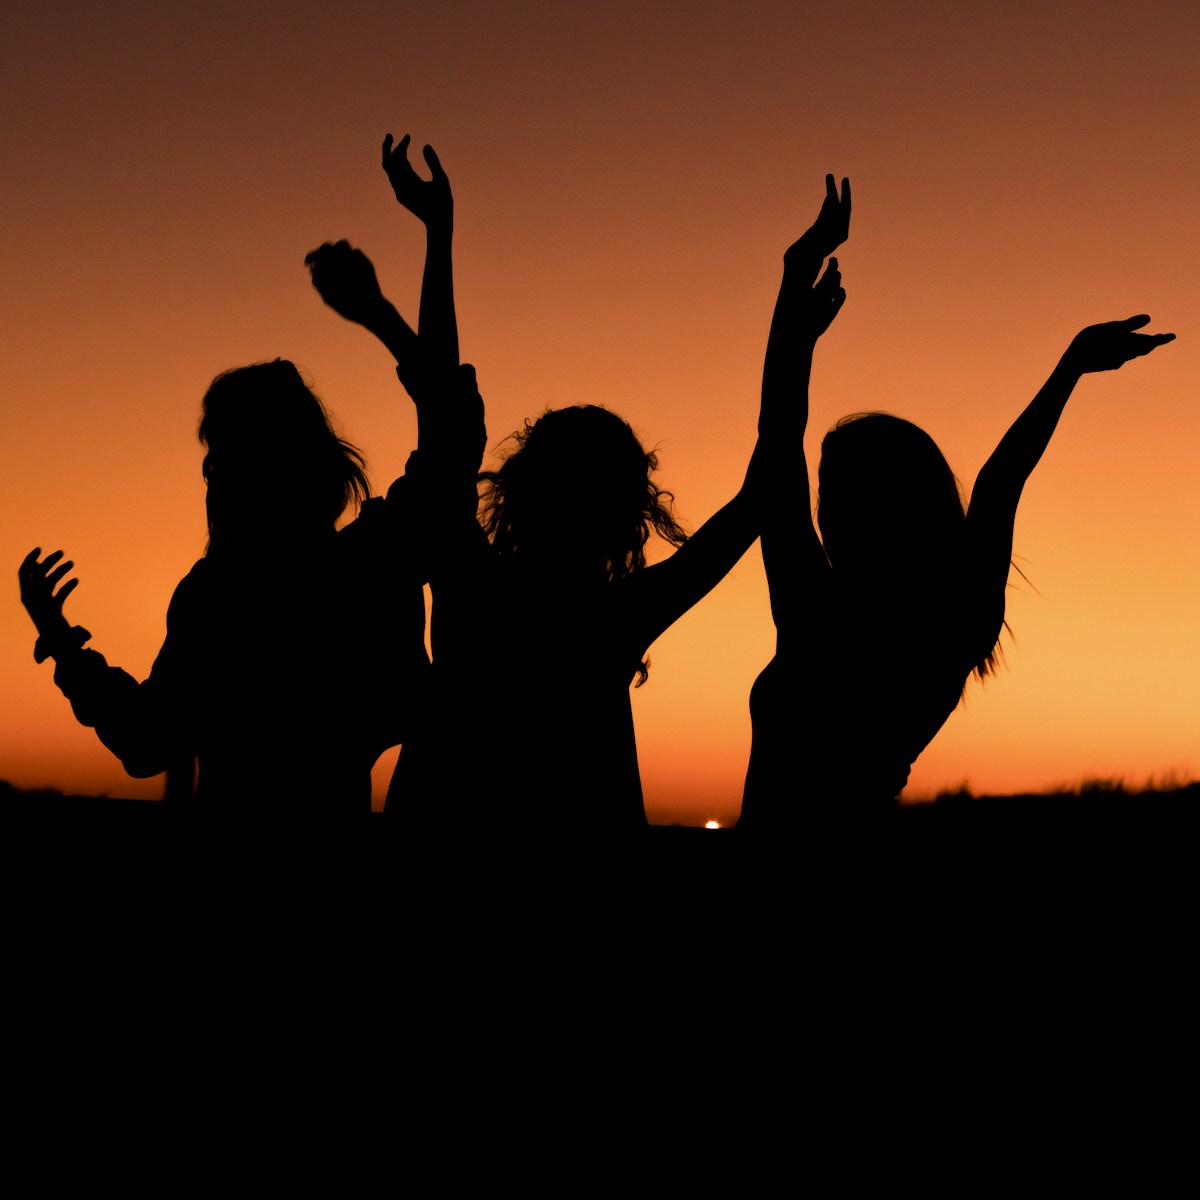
434	162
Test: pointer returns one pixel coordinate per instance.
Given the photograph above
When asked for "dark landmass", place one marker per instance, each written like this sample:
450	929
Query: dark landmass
1095	801
1026	878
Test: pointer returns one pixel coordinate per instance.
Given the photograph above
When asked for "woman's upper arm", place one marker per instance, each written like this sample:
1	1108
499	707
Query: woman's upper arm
656	597
798	573
989	531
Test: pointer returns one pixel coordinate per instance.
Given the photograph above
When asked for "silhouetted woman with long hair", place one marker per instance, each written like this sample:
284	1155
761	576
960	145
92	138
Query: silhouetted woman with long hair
883	617
543	613
294	651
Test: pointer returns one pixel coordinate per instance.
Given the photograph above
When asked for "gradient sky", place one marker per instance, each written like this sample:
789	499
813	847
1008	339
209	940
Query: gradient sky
627	177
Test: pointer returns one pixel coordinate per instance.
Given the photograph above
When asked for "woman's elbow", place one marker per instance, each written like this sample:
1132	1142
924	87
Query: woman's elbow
139	767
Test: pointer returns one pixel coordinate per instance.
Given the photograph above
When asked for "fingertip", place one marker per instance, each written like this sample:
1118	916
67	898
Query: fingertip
1138	321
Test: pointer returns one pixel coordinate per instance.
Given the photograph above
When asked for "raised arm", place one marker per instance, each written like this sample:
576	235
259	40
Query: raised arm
39	577
792	553
998	488
345	279
133	720
432	202
802	313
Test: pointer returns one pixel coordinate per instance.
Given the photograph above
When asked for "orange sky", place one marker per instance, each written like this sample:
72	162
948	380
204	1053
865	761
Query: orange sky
627	177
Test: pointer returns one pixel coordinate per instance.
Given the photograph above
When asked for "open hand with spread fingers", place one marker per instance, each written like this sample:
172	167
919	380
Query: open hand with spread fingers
39	577
1112	344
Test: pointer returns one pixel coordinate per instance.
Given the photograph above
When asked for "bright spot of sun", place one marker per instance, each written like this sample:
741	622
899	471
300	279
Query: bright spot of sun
712	825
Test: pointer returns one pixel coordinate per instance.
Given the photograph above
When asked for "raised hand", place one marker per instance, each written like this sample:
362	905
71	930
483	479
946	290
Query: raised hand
38	578
829	230
832	226
1112	344
826	298
428	200
345	279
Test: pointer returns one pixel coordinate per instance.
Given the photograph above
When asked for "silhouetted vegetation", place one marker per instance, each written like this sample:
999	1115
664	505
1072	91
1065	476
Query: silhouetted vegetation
1097	797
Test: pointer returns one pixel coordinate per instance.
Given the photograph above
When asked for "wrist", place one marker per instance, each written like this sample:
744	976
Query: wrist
805	249
1070	367
60	642
378	316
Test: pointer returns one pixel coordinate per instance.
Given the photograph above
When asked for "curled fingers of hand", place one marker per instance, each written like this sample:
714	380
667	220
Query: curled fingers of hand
327	252
392	148
29	563
395	157
314	257
53	577
66	589
832	277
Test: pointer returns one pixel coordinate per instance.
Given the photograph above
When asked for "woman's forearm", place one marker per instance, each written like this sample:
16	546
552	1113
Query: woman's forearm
787	366
1022	447
438	323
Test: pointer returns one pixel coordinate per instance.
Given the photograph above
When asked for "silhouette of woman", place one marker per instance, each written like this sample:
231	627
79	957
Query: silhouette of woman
543	615
882	619
284	695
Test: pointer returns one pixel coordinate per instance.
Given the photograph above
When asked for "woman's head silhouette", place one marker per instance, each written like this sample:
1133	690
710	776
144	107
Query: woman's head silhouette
576	503
892	521
271	452
886	496
577	495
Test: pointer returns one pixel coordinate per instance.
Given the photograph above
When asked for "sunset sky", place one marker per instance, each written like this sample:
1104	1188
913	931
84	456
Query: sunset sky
627	176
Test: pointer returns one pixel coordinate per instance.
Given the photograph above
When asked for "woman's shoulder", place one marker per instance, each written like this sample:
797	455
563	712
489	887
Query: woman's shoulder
376	517
193	586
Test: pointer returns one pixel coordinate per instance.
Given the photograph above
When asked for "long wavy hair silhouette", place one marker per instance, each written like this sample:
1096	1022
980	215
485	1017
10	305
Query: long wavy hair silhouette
890	510
883	618
577	499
